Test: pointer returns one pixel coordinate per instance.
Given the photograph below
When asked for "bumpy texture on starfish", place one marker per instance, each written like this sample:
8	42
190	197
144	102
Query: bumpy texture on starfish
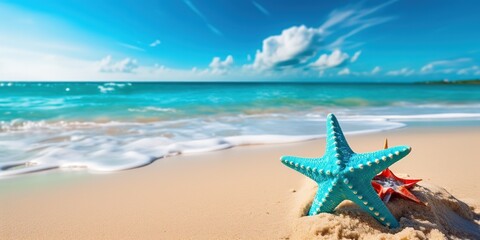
342	174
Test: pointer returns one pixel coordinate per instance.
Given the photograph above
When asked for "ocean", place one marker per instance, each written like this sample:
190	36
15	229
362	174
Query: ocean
105	127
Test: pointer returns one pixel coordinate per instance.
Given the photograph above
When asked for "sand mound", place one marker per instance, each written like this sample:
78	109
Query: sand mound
442	217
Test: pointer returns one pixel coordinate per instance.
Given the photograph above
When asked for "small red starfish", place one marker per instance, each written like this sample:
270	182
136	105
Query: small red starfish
386	183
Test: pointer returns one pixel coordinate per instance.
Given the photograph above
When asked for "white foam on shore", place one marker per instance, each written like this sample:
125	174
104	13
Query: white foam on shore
151	109
430	117
28	147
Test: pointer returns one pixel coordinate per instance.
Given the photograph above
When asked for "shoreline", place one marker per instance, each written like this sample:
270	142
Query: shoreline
237	193
17	169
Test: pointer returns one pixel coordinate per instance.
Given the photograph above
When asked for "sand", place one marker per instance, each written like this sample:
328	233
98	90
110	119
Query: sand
442	217
246	193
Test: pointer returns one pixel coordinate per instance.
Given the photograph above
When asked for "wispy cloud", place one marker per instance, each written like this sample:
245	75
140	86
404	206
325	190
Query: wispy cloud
475	70
344	71
202	16
131	47
401	72
195	10
345	23
214	29
376	70
155	43
432	66
261	8
355	56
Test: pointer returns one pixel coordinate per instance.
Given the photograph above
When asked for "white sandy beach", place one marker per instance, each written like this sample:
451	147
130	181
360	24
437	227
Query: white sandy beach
246	193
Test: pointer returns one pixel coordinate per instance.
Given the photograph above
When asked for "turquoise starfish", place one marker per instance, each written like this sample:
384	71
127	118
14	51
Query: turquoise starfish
342	174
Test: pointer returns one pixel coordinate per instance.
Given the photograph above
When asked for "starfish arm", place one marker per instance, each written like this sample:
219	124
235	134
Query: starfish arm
364	196
388	195
370	164
310	167
379	189
408	183
404	192
336	142
327	198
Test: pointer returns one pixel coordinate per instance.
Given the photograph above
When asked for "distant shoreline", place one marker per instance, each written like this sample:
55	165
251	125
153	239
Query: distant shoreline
458	82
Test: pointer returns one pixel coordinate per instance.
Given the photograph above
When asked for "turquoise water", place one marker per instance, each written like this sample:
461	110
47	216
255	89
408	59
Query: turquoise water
115	126
127	101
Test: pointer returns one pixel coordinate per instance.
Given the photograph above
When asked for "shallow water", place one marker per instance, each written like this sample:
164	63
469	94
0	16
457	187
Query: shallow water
115	126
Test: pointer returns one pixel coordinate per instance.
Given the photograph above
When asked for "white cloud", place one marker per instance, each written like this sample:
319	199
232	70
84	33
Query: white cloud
344	71
159	67
126	65
430	67
155	43
299	46
401	72
295	45
335	59
45	66
376	70
355	56
427	68
219	67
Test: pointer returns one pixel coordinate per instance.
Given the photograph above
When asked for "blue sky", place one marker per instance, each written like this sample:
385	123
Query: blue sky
190	40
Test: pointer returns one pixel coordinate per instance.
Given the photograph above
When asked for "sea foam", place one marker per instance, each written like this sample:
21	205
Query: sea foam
113	146
29	146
